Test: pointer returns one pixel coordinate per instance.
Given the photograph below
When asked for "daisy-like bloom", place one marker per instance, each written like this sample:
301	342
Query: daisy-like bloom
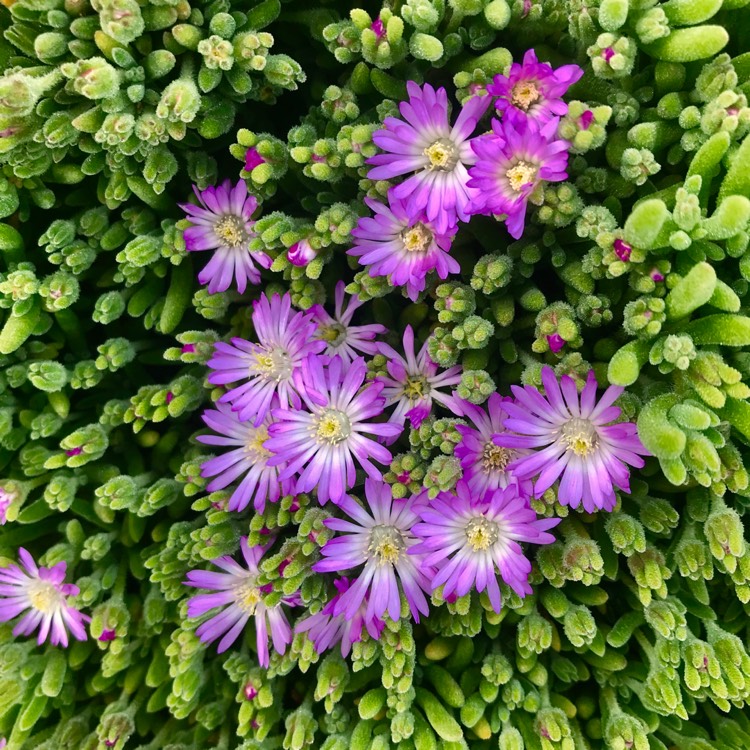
248	459
323	442
572	441
340	336
239	598
511	164
41	593
379	539
413	382
222	223
424	143
533	90
325	629
484	463
471	538
403	245
267	368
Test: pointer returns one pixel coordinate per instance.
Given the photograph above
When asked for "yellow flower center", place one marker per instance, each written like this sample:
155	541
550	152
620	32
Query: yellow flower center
44	596
254	445
580	436
334	333
247	595
332	426
521	175
481	533
494	457
416	239
275	364
231	230
416	387
524	94
386	544
442	154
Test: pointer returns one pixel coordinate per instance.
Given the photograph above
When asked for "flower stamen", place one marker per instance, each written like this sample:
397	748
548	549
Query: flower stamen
442	154
231	230
580	436
386	544
521	174
524	94
417	238
481	533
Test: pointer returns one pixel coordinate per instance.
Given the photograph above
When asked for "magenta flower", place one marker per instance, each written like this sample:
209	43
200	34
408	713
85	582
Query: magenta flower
247	459
473	537
300	253
572	441
380	540
511	164
342	338
222	223
533	90
485	464
7	498
322	443
436	153
325	629
413	382
239	598
41	593
267	368
252	159
403	245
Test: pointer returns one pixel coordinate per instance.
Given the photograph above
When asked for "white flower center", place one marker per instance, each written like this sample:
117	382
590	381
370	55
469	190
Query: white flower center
416	387
334	334
331	426
416	239
580	436
254	449
524	94
247	595
481	533
274	364
443	155
386	545
495	458
44	596
520	175
231	230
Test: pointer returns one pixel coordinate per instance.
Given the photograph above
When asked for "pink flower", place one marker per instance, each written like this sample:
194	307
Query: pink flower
300	253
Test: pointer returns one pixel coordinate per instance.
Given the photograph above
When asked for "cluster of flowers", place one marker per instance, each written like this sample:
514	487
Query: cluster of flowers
302	413
452	176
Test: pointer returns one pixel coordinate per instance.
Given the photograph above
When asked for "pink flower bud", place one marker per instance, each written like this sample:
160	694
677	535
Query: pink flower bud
300	253
252	159
556	342
622	250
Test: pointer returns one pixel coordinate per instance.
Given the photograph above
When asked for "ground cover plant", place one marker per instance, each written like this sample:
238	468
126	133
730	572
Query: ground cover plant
374	378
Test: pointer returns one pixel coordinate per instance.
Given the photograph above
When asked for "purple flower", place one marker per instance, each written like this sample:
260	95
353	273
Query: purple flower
42	592
511	163
240	598
485	464
414	381
325	629
222	223
252	159
403	245
572	441
470	537
248	459
300	253
435	152
380	540
341	338
533	90
556	343
323	442
622	250
285	340
107	635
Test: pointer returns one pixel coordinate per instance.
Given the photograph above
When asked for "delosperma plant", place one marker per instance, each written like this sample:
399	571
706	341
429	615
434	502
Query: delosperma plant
374	377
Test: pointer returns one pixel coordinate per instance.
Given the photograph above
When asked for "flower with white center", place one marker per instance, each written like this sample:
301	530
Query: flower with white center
378	539
340	336
323	442
572	441
471	538
222	223
239	597
413	382
42	595
425	144
247	460
265	369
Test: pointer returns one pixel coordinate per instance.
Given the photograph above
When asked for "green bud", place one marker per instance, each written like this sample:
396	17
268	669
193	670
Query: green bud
94	78
180	101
